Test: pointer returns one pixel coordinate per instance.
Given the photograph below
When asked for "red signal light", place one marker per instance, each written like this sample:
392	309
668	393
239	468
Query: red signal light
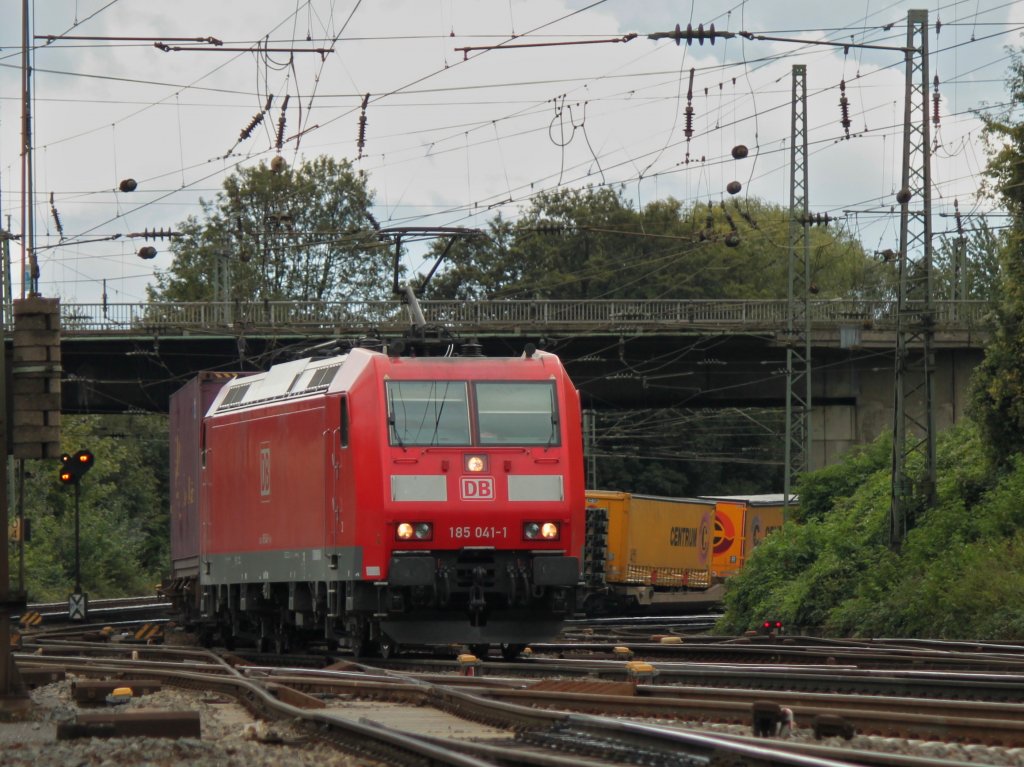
74	466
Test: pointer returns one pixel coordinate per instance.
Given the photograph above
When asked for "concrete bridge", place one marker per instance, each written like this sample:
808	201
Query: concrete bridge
621	354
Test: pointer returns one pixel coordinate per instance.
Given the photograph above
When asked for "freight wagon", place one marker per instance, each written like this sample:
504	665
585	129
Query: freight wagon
646	550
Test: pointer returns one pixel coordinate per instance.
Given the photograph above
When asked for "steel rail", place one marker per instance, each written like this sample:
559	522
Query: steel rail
805	678
394	748
398	748
834	754
874	656
985	722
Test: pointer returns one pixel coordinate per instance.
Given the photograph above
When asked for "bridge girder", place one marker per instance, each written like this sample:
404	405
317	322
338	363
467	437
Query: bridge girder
612	371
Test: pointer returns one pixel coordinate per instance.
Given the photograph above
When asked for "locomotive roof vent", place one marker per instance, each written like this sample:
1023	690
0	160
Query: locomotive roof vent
472	349
323	377
371	343
234	395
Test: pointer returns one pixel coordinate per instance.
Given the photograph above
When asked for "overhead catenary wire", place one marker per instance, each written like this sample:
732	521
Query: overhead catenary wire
611	170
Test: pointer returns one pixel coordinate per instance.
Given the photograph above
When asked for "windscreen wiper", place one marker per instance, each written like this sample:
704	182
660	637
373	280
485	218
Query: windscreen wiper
398	436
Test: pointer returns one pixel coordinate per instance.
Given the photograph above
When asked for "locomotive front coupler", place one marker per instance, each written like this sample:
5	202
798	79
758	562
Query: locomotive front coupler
477	603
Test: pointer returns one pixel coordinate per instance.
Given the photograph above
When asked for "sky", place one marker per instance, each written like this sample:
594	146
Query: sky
454	137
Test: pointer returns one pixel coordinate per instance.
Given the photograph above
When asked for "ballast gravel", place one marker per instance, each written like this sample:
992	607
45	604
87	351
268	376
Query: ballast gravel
230	737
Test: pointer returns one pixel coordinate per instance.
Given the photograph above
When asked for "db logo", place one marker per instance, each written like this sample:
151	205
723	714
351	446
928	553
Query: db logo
477	488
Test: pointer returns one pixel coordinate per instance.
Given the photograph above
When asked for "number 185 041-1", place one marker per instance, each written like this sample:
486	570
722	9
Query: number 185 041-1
480	531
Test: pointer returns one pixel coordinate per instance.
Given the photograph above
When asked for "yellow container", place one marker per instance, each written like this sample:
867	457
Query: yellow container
741	523
655	541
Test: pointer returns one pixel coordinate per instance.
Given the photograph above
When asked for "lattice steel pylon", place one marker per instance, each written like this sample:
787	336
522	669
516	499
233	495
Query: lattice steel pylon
913	411
798	326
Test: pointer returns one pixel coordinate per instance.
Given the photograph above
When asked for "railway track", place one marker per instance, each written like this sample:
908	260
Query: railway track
101	612
572	710
276	696
789	651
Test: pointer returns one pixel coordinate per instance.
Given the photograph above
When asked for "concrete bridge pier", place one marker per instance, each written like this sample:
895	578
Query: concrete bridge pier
858	399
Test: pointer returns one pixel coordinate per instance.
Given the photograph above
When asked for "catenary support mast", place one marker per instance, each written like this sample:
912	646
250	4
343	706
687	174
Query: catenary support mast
914	416
798	326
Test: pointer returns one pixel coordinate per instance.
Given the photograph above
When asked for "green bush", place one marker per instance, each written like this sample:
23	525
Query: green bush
959	574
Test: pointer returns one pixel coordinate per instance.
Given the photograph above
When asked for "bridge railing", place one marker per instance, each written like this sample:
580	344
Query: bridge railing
353	316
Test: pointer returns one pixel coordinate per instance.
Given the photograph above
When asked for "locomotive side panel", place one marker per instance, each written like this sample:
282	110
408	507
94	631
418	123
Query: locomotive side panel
265	494
357	533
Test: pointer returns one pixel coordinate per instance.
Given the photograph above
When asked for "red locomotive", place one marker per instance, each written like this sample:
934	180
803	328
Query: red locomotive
379	501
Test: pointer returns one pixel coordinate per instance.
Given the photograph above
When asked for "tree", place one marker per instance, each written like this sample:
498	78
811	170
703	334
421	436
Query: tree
998	398
578	244
972	259
281	233
591	244
124	547
688	452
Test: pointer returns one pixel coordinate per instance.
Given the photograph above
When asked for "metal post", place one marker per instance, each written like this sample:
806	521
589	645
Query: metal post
29	270
21	523
78	560
798	324
13	697
914	415
78	603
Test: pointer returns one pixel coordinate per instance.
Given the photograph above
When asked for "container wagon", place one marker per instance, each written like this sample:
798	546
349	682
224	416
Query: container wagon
646	551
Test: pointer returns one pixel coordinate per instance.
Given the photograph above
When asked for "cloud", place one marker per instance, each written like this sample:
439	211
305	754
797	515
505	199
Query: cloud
452	138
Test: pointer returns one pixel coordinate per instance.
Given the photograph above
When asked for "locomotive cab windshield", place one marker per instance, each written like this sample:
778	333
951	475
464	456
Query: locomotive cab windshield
428	413
431	413
516	413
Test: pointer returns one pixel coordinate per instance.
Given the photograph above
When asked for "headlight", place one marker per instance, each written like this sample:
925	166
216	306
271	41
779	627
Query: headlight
547	531
420	531
476	463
